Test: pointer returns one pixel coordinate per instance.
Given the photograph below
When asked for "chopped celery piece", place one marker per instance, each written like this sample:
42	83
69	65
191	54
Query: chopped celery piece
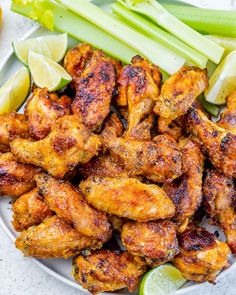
208	21
166	59
157	13
209	107
228	43
76	27
160	35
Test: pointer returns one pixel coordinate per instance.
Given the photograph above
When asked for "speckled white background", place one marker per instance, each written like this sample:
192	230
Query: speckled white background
19	275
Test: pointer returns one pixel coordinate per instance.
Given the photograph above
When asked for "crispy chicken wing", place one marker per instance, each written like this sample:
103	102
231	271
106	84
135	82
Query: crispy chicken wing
54	238
30	209
69	204
159	160
68	144
171	128
127	197
186	192
201	256
155	241
228	116
43	109
138	88
220	200
12	126
95	82
15	178
219	143
105	270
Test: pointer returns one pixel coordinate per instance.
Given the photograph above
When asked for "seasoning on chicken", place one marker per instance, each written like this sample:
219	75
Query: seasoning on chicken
69	204
228	116
171	128
154	241
30	209
127	197
54	238
105	270
12	126
94	77
220	199
138	89
219	143
186	192
68	144
201	256
15	178
43	109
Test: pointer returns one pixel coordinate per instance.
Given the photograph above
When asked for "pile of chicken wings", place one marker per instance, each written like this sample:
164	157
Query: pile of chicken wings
121	156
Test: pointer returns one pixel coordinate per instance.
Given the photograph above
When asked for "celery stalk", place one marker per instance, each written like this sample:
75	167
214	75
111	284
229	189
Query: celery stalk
155	52
209	107
65	21
160	35
157	13
208	21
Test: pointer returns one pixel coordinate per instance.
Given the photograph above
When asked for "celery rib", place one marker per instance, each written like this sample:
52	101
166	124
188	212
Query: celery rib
78	28
153	31
166	59
157	13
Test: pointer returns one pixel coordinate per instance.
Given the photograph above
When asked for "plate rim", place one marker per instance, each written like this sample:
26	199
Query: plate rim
47	269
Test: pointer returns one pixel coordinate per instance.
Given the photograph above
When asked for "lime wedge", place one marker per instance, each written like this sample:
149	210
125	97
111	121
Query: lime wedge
47	73
162	280
222	81
14	91
229	44
52	46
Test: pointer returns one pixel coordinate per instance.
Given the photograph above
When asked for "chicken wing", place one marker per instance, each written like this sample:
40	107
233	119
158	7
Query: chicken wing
30	209
43	109
171	128
12	126
220	200
155	241
201	256
179	92
228	116
95	82
69	204
15	178
138	88
159	160
186	192
219	143
127	197
68	144
54	238
105	270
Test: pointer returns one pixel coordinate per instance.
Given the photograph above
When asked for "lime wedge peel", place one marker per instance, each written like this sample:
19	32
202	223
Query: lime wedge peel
14	92
162	280
52	46
222	81
47	73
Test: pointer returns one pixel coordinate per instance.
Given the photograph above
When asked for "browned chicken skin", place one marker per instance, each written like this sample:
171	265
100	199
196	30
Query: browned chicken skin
12	126
186	192
69	204
43	109
155	241
105	270
138	89
220	200
228	116
201	256
172	128
219	143
127	197
30	209
54	238
68	144
15	178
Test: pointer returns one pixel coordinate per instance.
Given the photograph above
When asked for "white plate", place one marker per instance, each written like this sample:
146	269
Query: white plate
58	268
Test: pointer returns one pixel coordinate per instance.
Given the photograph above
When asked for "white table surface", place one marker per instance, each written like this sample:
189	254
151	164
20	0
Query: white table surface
19	275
